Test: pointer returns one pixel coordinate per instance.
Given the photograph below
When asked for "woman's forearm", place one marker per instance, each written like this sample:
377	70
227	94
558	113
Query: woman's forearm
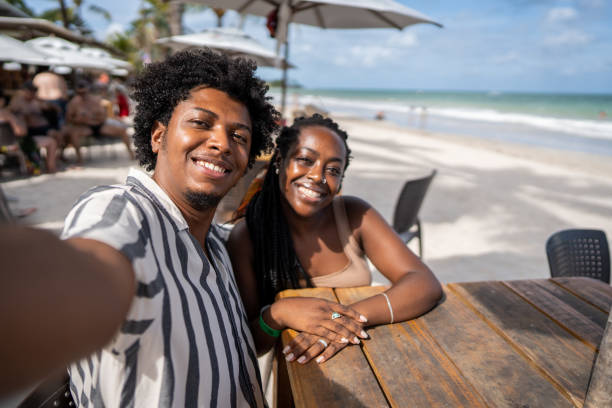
411	296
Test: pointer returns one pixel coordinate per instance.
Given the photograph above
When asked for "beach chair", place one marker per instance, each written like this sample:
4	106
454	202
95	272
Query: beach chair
406	220
579	252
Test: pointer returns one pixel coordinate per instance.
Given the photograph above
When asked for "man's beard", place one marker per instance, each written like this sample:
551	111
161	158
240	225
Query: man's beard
202	201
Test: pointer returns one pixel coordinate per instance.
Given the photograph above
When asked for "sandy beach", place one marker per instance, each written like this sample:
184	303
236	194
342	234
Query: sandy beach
487	215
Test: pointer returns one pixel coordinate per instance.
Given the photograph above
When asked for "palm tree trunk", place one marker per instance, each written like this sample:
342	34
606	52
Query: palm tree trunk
64	13
175	18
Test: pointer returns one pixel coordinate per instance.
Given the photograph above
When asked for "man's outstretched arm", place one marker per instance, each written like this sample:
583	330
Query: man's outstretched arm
59	301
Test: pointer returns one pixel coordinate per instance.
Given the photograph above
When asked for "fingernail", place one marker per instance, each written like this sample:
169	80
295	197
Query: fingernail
320	359
364	334
344	340
355	340
286	349
301	359
363	318
289	357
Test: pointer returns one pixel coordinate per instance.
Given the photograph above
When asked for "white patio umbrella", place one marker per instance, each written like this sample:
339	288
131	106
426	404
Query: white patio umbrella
105	56
66	53
325	14
13	50
231	41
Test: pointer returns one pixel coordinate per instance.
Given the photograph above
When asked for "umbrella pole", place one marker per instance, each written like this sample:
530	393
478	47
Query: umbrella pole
284	81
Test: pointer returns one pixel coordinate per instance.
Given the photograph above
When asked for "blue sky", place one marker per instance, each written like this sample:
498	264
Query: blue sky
506	45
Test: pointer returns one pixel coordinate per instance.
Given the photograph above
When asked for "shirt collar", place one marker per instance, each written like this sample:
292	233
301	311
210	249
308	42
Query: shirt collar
161	197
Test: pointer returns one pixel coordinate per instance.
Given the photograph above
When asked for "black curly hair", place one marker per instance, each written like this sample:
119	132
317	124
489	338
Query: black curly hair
163	85
275	262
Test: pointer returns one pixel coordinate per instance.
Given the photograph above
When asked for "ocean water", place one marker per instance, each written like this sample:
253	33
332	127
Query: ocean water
575	122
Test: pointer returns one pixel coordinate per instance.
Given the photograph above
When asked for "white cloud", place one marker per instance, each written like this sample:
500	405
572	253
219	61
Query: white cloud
113	28
403	39
559	14
370	56
364	56
567	38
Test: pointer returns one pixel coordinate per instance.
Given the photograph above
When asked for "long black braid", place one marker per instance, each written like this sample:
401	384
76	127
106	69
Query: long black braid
276	264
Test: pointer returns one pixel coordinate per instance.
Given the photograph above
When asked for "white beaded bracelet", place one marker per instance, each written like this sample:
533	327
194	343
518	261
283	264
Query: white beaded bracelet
389	306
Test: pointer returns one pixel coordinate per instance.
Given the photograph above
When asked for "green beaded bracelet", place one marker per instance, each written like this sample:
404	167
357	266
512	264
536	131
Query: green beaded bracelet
267	329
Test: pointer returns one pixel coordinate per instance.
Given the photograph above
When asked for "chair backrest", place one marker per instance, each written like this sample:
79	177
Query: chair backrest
410	201
579	252
7	136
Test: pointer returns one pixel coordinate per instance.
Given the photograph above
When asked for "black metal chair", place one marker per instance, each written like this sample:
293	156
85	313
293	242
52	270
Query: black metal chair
406	217
579	252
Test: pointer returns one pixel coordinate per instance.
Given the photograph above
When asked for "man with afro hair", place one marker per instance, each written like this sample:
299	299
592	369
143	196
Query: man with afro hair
142	289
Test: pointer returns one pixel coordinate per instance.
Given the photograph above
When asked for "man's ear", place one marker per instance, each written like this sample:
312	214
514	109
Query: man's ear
157	135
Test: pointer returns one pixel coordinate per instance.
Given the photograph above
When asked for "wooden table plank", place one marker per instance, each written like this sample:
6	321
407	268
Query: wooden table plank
346	380
564	358
409	365
500	375
594	291
578	317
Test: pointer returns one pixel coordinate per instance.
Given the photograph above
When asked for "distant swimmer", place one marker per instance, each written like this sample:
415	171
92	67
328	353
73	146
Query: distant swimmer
602	115
380	115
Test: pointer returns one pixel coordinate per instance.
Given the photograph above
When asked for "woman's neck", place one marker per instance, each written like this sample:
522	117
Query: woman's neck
302	226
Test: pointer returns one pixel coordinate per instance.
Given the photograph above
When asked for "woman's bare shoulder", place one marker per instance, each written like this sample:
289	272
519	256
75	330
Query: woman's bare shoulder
239	238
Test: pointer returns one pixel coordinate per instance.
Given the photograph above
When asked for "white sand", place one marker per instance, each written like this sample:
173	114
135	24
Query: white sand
487	215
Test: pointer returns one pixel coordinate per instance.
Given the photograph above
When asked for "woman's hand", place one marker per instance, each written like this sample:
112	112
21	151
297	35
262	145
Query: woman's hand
316	316
306	346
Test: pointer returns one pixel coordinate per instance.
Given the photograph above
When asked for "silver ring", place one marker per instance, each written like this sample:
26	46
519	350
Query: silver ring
335	315
323	342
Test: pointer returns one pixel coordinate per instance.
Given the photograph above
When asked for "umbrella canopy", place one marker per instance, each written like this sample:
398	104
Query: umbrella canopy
65	53
105	57
15	50
332	13
325	14
228	40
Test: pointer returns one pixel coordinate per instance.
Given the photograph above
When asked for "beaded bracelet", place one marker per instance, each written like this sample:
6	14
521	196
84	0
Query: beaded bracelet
267	329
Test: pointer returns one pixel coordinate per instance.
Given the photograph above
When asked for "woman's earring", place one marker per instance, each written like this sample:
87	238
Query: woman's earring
276	170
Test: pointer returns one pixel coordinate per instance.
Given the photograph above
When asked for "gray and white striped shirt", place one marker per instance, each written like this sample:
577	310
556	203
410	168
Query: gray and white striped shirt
185	341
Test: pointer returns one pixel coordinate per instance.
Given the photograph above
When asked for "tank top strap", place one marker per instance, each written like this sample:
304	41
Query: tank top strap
349	243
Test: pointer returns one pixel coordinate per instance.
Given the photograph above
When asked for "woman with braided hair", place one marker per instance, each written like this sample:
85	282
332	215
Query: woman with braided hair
299	232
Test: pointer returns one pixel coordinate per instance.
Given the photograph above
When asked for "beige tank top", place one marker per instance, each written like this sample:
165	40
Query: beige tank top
356	272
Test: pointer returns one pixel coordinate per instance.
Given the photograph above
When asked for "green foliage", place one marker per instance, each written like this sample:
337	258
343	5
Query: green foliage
21	5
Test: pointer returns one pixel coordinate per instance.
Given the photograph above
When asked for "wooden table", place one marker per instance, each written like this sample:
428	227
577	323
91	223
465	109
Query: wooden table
527	343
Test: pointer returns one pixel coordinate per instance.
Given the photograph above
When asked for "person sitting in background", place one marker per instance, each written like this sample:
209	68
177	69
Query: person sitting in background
52	88
18	129
26	105
86	116
123	104
299	232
